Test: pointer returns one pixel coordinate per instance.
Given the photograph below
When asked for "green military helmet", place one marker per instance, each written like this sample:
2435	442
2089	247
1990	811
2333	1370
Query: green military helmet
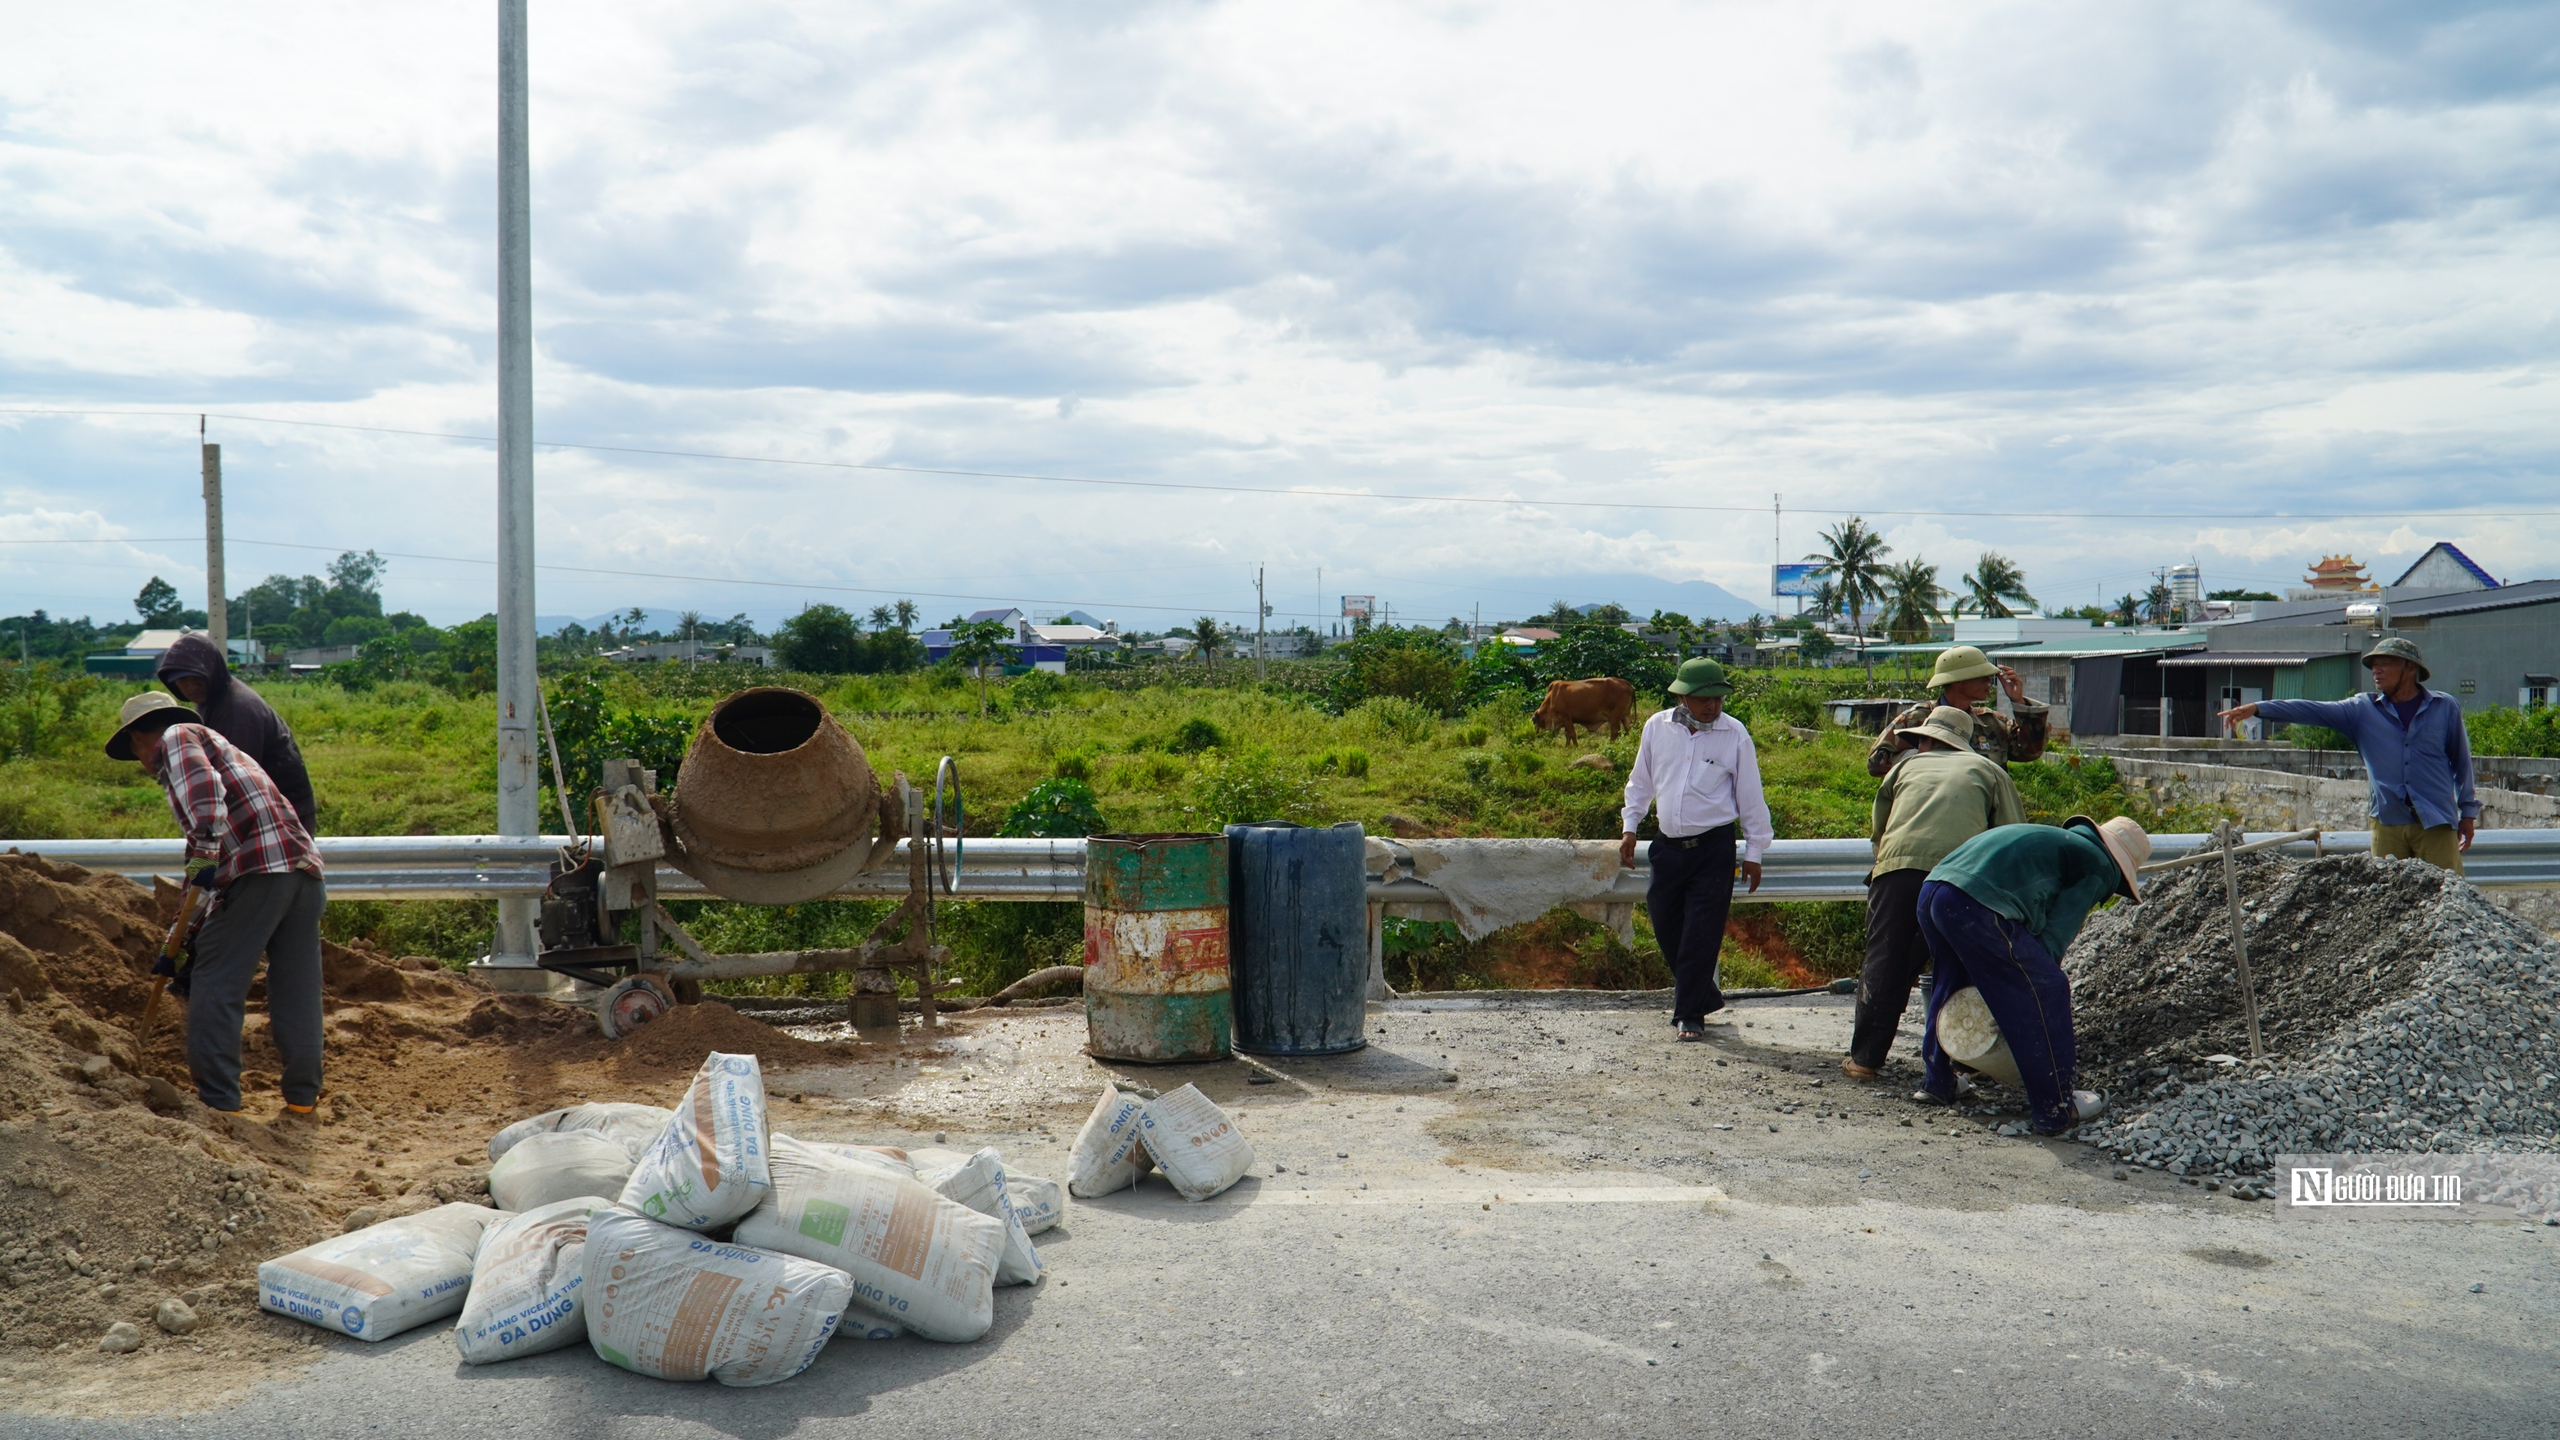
1960	663
2398	648
1701	676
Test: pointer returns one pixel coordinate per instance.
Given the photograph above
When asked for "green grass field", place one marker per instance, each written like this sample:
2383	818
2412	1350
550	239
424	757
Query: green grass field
409	759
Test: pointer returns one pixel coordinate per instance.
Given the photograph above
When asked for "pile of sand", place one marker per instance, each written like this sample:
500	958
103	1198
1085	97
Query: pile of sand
117	1190
2400	1009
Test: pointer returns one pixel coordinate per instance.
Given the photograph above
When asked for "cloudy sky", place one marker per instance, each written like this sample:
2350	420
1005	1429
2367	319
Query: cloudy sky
2100	286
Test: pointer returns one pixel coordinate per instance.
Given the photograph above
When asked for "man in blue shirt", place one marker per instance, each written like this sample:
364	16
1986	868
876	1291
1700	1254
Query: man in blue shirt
2417	756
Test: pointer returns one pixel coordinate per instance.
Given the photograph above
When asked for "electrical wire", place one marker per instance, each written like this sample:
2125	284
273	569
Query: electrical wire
1313	492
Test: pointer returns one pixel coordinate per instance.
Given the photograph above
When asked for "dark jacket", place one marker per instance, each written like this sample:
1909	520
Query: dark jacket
238	714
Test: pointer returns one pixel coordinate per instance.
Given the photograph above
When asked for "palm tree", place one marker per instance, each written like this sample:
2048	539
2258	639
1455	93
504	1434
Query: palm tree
2129	609
880	617
906	614
1996	580
1206	633
1852	560
2160	604
1911	601
688	622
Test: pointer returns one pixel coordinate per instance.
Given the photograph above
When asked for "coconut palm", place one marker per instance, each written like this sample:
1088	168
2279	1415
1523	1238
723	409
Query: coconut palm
2129	609
1852	560
1996	580
1912	597
1207	633
2160	605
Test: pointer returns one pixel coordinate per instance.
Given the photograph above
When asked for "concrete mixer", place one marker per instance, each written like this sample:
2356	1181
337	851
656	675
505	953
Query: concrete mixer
777	805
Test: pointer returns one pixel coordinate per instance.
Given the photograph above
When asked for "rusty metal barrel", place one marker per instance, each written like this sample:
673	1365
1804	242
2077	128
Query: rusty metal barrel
1155	947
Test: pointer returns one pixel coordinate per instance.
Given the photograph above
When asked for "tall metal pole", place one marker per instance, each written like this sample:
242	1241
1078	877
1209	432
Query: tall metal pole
1261	608
217	618
519	813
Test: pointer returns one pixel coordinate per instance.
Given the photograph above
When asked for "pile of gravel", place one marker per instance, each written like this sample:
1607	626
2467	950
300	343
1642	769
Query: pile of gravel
2401	1011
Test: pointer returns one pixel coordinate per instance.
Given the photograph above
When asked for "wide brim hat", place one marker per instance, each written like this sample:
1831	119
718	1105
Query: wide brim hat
2398	648
151	708
1701	677
1948	726
2127	843
1959	663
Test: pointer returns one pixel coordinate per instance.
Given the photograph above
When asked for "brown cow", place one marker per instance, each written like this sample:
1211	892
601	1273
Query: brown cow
1589	703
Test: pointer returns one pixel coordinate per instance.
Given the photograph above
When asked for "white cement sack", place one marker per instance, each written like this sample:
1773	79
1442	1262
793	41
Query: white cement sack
980	1185
1106	1155
667	1302
916	1258
707	1165
542	1170
857	1325
631	1126
525	1284
879	1157
1197	1147
382	1279
1039	1203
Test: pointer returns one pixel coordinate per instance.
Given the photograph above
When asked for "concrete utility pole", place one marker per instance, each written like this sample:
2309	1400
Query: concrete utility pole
519	811
217	618
1261	608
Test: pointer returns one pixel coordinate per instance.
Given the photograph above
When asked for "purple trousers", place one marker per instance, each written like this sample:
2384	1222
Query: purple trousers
2024	986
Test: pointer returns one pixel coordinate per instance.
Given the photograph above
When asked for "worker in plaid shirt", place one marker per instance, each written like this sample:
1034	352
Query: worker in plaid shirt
248	848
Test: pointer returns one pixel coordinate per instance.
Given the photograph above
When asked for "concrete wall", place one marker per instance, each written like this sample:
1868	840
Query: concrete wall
2503	772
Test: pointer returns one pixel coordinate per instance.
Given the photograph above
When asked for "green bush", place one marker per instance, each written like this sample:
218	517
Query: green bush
1391	718
1037	690
1060	808
1832	937
1253	785
40	709
1420	666
2500	730
1193	736
453	931
2317	737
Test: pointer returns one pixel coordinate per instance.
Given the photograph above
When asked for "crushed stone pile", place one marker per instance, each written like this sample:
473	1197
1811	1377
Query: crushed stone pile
118	1191
2401	1010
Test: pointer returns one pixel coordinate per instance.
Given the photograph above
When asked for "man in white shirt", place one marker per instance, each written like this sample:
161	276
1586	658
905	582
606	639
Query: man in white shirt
1696	770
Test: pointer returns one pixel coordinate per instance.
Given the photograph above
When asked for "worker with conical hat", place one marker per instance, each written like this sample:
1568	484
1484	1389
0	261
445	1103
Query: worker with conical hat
2417	755
1697	772
1963	678
1998	914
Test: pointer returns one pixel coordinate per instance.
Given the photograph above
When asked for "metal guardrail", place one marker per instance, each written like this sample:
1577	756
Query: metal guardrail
486	867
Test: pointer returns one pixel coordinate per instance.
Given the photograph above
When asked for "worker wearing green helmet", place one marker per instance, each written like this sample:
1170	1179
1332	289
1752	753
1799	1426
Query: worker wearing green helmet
1963	678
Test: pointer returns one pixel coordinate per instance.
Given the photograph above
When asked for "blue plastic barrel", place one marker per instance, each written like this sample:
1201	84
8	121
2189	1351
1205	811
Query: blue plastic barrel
1298	939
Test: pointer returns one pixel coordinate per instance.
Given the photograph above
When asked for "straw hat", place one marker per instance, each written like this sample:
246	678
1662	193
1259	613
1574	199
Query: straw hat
1961	662
148	708
2126	842
1948	726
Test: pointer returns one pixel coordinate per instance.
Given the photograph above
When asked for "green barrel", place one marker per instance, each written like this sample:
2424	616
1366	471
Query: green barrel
1155	947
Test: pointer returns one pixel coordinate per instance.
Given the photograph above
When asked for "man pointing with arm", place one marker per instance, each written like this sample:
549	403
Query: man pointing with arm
1697	771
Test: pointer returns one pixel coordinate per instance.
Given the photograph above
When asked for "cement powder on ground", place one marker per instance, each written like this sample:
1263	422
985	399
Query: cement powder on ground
2401	1011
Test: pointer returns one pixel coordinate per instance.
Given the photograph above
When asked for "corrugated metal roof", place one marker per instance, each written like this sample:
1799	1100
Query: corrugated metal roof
2283	659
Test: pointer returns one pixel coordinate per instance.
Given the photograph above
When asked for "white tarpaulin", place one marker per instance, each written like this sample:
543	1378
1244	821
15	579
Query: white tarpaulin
1493	883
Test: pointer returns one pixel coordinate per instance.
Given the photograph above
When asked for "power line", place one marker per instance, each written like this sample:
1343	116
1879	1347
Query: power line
1312	492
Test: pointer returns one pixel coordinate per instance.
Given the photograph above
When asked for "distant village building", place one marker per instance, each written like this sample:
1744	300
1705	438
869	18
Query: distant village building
2336	575
2444	568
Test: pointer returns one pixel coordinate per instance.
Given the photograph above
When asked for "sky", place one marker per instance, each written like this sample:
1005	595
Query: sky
2101	287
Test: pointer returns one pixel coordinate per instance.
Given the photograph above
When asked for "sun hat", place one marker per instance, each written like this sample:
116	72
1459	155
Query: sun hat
1959	663
1701	676
1948	726
2398	648
2125	841
151	708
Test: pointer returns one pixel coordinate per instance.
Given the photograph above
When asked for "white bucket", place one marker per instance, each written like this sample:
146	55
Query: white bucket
1971	1038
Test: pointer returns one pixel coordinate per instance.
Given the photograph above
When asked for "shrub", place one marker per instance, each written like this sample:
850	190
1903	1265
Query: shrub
40	709
1479	768
1253	785
1355	762
1390	718
2317	737
1193	736
1472	736
1061	808
1417	665
2500	730
1038	690
1074	765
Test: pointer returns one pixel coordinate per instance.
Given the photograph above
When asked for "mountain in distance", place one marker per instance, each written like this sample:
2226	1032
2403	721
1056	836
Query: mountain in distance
1514	597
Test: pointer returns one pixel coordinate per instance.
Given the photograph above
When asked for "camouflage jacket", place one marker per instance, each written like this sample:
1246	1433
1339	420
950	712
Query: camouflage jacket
1996	737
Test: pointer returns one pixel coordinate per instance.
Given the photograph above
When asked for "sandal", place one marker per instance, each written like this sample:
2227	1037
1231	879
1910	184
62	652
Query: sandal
1964	1091
1692	1030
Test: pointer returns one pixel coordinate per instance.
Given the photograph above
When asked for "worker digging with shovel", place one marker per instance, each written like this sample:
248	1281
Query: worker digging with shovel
1998	913
256	861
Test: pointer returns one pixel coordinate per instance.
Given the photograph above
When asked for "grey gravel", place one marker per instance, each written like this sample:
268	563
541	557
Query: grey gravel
2401	1011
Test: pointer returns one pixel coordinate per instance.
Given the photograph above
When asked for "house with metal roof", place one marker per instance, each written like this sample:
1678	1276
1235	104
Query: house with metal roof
2097	679
2485	645
2444	567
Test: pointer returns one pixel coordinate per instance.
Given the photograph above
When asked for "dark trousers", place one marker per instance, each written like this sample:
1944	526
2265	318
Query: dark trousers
1896	954
277	916
2028	995
1688	901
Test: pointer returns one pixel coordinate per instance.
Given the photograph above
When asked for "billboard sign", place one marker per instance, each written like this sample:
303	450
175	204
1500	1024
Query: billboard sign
1797	581
1359	606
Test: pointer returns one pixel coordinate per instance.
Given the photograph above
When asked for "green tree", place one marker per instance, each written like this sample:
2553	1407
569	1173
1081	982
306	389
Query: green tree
1590	652
469	658
1852	560
1208	635
1060	808
1682	630
2241	595
158	603
2160	604
2128	609
1418	665
976	644
1912	597
1995	581
821	640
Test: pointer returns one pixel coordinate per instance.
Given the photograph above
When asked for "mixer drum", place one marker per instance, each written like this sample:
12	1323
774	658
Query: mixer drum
776	803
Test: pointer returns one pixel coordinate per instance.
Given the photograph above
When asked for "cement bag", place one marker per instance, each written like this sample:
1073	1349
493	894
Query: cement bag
1039	1203
666	1302
980	1185
544	1169
915	1257
1194	1143
632	1126
1106	1155
525	1284
878	1157
382	1279
1972	1038
707	1165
